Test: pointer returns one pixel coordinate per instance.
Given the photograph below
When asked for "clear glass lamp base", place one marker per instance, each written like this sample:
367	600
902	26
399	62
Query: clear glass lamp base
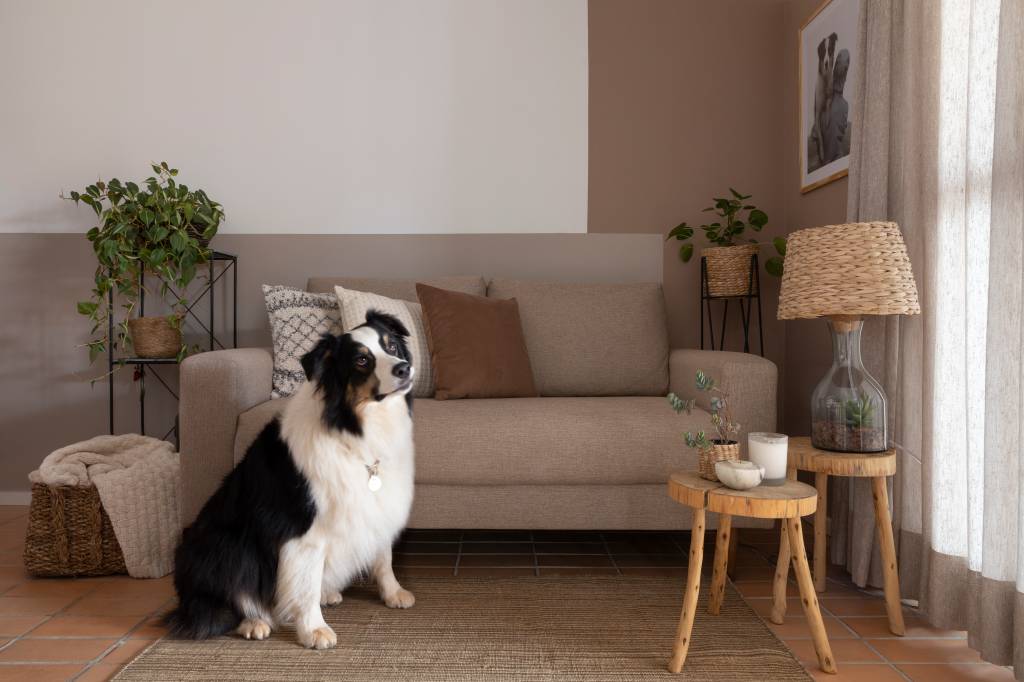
848	406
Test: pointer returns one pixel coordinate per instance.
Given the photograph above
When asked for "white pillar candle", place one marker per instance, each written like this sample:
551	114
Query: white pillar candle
770	450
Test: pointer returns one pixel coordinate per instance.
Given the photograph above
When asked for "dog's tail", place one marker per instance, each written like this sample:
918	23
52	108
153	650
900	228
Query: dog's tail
201	618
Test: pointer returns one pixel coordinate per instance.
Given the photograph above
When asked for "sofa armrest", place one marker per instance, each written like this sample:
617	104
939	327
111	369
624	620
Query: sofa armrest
215	388
750	381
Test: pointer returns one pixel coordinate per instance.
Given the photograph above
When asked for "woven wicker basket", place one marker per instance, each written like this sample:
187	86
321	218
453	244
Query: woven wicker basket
729	270
154	337
69	534
718	452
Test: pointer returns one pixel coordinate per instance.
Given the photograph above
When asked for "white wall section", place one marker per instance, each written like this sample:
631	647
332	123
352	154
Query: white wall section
310	116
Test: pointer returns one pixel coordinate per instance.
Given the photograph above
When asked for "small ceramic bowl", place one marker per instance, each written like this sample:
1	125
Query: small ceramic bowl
739	474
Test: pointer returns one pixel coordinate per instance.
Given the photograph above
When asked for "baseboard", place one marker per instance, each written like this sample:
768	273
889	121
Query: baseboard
20	497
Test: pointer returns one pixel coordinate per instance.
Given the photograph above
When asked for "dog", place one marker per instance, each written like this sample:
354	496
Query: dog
319	498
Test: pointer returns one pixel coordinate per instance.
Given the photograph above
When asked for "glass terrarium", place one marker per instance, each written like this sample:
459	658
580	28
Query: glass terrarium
848	407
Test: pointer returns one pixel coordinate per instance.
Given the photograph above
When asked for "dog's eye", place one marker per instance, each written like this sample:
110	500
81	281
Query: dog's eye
362	361
392	347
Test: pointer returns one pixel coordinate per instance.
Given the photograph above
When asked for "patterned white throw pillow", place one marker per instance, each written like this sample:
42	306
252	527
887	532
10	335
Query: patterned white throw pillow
355	304
297	321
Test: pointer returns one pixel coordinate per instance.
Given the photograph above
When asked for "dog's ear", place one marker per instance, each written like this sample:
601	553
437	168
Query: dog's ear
389	322
313	362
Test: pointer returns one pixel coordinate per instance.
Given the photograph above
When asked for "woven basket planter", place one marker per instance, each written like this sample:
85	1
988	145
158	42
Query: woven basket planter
154	337
729	270
69	534
718	452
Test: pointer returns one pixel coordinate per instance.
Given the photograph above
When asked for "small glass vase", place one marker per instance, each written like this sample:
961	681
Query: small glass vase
848	406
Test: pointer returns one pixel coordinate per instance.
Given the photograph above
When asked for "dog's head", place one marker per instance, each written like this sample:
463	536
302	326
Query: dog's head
369	363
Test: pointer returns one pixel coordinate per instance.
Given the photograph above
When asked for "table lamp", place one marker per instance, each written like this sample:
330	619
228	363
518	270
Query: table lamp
842	273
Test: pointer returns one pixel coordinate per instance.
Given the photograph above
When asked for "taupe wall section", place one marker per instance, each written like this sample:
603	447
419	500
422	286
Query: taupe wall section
808	349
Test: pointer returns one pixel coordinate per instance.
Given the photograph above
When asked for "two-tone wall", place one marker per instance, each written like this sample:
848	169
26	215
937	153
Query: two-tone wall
682	100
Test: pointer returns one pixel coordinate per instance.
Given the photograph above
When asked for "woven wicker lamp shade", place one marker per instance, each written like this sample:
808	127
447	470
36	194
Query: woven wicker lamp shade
851	270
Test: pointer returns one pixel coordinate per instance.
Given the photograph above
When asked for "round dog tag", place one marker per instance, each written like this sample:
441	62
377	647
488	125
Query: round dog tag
374	484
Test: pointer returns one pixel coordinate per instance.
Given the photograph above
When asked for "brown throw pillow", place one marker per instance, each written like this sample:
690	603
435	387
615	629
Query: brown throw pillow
476	345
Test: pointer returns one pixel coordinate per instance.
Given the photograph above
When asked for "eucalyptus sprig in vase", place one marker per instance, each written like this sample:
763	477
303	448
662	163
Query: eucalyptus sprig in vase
725	446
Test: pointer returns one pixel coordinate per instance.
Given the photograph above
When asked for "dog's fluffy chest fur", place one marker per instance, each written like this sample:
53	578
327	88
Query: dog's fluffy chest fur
352	523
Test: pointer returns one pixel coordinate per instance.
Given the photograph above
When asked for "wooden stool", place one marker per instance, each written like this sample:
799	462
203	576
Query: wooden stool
787	502
805	457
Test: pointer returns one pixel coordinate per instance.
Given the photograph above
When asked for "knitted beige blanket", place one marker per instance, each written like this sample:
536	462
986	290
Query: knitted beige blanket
137	479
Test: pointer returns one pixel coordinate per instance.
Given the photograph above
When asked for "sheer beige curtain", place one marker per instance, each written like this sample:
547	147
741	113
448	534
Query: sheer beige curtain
938	146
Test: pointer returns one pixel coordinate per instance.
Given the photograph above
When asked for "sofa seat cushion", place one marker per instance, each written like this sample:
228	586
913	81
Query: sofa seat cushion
542	441
613	440
592	339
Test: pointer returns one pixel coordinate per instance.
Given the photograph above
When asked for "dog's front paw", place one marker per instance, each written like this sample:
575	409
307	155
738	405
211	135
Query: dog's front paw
254	628
400	599
320	638
332	598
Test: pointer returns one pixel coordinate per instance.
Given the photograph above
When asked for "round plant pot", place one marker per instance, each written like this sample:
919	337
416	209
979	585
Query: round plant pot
729	270
154	337
718	452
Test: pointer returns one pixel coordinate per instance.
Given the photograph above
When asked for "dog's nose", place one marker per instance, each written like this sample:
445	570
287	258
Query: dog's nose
402	370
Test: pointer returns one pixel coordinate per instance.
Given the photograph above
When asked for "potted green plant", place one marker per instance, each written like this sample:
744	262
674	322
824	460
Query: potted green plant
728	261
710	451
159	228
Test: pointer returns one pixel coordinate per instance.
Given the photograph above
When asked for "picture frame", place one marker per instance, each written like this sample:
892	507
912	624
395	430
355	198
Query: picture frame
827	73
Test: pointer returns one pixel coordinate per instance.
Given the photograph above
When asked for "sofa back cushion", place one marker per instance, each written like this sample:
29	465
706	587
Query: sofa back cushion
404	289
592	339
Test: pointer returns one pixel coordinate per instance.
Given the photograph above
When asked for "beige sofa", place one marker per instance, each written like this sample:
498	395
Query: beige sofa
594	451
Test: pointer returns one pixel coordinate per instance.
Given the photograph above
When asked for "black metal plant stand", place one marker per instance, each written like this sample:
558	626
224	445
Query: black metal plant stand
229	263
746	304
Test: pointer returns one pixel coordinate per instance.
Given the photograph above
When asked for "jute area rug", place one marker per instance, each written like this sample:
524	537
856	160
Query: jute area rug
531	629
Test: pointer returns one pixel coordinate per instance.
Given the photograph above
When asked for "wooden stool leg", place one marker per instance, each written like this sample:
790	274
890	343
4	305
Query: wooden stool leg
809	597
820	528
682	644
734	543
888	550
778	615
720	565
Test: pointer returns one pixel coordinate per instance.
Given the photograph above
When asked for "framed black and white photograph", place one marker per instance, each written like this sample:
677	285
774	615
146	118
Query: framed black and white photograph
828	71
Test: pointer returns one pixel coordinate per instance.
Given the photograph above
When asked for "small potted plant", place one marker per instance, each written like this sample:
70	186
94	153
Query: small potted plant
725	446
729	261
159	228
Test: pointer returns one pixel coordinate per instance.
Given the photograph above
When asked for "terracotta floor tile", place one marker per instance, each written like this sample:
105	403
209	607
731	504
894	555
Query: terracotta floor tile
586	536
51	587
497	536
956	672
749	573
153	628
649	559
86	626
98	605
127	651
125	586
33	606
508	560
763	607
100	672
654	571
844	651
416	547
497	548
431	535
763	588
644	546
926	650
868	606
15	626
570	548
39	673
878	627
57	650
424	559
493	572
576	570
796	627
578	560
857	672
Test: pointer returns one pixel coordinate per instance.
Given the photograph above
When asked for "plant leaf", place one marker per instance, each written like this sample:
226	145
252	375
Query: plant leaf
686	252
774	266
780	245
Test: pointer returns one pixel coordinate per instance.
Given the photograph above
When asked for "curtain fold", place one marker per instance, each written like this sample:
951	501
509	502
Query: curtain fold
938	146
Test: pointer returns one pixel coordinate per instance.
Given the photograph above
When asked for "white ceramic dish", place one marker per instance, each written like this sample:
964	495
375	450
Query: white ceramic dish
739	474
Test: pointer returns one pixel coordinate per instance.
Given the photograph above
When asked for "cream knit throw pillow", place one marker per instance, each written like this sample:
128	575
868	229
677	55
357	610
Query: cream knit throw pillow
297	321
355	304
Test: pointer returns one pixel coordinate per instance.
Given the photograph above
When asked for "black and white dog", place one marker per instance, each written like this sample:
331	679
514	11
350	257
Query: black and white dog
320	496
